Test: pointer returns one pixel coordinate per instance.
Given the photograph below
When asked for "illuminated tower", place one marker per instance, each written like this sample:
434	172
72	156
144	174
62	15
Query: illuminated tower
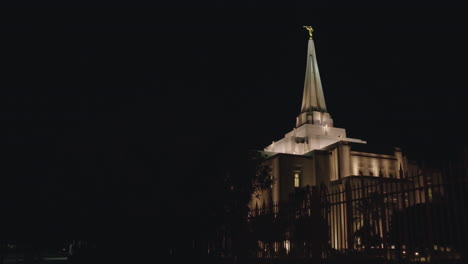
313	109
314	125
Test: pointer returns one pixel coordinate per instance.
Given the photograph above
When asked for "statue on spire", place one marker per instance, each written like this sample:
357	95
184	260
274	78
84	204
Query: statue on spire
310	29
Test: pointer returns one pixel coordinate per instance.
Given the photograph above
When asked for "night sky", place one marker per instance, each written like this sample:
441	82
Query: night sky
109	109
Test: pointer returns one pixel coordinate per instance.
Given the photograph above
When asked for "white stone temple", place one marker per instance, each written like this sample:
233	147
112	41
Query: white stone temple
315	152
317	156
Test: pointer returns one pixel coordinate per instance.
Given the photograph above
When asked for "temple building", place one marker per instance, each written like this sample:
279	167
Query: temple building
316	153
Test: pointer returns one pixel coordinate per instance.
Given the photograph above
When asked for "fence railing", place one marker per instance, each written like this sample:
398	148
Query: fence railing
420	218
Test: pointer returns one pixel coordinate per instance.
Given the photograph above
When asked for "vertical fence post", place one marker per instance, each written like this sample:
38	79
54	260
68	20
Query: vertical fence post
349	215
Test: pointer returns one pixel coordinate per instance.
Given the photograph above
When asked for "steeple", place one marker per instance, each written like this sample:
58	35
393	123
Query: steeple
312	98
313	109
314	125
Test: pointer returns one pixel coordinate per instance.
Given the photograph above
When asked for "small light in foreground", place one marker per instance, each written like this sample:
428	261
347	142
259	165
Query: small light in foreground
393	247
404	252
416	253
287	246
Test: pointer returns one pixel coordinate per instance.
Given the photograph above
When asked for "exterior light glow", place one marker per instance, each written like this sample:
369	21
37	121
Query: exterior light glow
287	246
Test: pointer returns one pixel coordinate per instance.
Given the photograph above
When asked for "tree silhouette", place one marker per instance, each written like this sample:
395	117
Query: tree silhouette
310	230
245	177
370	211
269	229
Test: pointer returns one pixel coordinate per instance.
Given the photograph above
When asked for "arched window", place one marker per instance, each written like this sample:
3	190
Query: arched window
297	177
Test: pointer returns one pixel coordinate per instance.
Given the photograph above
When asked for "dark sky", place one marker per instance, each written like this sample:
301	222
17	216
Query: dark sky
89	97
389	77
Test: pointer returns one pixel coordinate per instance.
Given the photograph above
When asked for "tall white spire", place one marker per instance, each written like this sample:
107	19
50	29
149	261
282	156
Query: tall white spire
312	98
314	125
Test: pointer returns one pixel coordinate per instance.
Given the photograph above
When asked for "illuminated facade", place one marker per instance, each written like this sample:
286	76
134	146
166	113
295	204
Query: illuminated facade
315	153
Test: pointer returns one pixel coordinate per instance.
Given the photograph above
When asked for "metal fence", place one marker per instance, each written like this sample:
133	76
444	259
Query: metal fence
416	218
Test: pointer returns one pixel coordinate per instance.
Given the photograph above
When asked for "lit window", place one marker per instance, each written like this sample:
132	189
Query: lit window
296	179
